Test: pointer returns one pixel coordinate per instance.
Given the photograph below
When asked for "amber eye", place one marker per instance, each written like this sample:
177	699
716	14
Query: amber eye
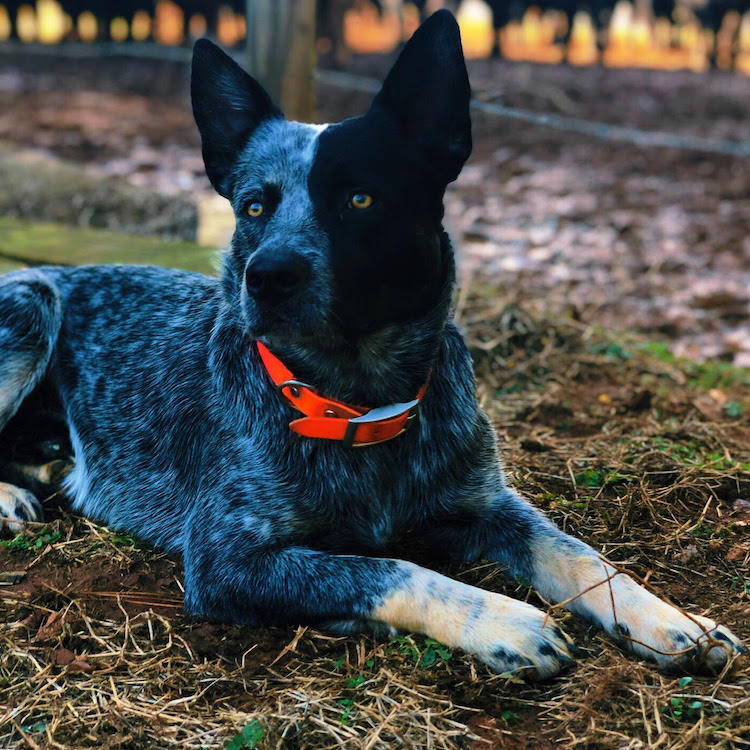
255	209
360	200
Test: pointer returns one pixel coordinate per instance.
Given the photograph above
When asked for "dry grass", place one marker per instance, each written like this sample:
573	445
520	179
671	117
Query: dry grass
642	456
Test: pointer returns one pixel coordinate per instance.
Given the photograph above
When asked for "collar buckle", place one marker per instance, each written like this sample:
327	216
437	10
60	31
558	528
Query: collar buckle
381	414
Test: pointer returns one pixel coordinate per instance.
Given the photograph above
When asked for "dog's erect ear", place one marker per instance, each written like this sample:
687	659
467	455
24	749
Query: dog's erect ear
428	92
228	105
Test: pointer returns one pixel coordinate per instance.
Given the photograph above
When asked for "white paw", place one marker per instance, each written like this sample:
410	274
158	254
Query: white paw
504	633
18	506
647	625
678	641
522	639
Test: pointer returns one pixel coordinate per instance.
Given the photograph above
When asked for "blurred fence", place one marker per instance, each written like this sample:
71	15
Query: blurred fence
664	34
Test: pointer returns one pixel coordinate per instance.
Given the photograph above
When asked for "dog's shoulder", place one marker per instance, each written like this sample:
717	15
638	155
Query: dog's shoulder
133	349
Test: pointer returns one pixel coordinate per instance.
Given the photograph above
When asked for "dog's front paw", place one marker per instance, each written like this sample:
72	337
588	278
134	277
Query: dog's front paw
522	639
504	633
18	506
678	641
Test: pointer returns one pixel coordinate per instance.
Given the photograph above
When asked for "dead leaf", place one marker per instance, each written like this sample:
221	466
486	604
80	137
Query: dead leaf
51	628
80	665
737	552
719	396
741	512
64	656
709	407
689	553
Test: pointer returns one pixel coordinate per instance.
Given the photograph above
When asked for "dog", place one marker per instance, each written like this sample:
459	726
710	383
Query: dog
282	428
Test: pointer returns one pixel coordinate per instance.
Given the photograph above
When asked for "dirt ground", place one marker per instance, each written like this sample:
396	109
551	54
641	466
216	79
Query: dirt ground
566	243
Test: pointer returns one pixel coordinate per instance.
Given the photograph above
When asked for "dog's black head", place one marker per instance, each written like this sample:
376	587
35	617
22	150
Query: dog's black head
338	227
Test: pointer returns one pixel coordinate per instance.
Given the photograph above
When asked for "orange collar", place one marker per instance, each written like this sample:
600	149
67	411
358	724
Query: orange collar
330	419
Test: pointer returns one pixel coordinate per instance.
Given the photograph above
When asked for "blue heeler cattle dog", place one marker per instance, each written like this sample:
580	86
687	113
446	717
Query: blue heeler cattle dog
282	427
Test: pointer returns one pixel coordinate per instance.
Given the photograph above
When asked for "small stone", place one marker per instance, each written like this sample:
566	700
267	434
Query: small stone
689	553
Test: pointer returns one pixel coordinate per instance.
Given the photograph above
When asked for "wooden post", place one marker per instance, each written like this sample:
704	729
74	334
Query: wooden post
281	52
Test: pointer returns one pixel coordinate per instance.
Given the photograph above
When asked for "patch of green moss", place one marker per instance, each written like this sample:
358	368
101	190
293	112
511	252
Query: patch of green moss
32	244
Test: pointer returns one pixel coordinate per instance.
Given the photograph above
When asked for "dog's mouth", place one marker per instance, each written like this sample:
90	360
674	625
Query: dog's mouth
294	322
322	332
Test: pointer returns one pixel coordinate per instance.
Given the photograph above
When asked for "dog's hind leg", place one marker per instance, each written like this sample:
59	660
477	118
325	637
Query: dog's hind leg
30	317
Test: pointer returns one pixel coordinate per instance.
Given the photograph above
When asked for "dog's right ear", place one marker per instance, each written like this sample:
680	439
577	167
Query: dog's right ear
428	93
228	105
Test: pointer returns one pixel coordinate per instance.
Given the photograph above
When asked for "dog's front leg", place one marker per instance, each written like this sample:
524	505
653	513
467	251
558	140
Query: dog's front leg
297	585
564	569
649	626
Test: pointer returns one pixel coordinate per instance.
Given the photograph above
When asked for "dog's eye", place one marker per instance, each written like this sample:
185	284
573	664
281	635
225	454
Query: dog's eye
255	209
360	200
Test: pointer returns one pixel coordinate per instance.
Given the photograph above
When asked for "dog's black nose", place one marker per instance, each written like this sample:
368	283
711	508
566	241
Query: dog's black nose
276	275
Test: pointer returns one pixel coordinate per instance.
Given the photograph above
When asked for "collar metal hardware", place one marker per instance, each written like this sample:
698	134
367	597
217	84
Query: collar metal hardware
295	389
381	413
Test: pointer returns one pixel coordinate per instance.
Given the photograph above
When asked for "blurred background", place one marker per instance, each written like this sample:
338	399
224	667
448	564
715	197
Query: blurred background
609	181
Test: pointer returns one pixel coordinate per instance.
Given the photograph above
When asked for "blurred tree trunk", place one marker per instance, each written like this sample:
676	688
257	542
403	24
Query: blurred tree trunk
281	52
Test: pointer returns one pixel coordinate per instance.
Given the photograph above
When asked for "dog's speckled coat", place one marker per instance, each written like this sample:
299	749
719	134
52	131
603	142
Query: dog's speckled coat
180	438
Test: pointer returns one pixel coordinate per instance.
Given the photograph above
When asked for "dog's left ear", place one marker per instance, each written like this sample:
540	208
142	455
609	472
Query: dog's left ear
228	105
428	92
